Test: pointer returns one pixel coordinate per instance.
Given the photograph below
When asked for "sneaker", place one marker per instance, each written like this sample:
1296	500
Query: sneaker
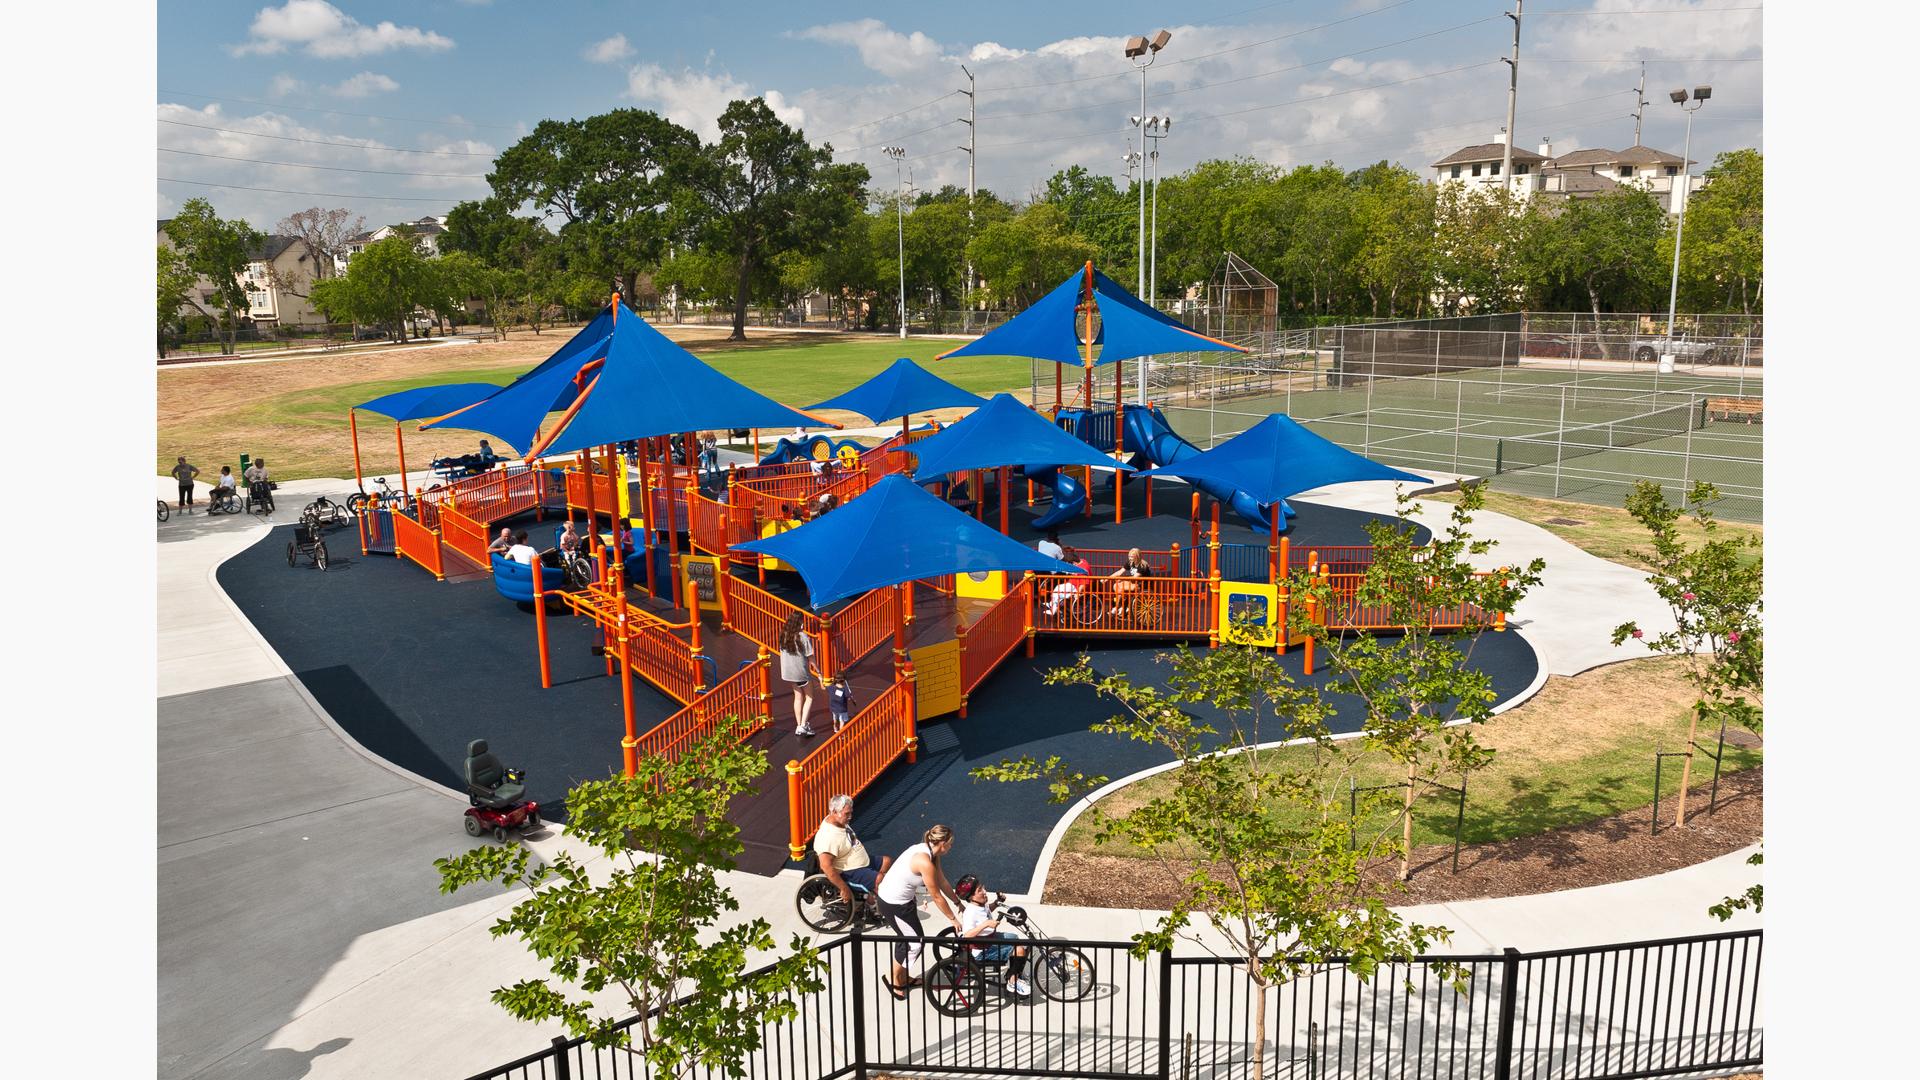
1020	987
805	731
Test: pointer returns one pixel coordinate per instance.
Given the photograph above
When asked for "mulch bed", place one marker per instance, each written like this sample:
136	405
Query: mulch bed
1599	852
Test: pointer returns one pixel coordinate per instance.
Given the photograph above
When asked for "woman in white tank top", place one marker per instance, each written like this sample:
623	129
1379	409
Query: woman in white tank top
917	867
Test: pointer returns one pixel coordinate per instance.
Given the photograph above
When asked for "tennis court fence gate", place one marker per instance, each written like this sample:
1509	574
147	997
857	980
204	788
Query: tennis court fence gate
1650	1008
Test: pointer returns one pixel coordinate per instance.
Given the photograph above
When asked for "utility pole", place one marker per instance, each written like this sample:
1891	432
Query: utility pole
898	153
1513	93
1640	102
966	309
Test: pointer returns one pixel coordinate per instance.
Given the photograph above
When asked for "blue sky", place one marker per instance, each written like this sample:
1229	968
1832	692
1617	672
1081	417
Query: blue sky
439	86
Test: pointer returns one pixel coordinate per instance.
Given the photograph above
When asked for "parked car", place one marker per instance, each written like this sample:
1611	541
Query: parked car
1649	349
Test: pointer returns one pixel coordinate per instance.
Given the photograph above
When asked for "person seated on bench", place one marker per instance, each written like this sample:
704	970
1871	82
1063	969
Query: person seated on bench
502	543
568	541
1134	567
521	551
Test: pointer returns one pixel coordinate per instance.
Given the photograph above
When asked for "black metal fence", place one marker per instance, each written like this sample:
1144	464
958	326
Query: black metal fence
1651	1008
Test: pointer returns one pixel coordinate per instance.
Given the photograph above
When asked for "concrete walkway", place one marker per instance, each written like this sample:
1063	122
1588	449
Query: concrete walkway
301	928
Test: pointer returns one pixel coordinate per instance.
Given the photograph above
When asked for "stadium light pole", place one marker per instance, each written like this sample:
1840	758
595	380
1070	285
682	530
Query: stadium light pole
1679	97
1157	128
1140	51
898	153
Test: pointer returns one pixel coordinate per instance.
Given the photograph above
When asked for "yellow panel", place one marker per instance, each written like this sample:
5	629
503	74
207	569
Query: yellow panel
702	581
981	585
1240	600
775	528
936	672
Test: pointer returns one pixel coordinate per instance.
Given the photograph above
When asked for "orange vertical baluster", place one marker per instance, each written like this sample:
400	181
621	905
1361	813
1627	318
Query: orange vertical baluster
910	717
1213	544
796	839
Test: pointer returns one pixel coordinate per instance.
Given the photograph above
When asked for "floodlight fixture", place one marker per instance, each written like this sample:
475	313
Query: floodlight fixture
1678	97
895	152
1160	40
1136	46
1702	93
1135	120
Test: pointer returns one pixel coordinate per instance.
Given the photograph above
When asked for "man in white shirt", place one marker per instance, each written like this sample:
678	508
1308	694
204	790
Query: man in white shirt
843	858
521	551
1050	547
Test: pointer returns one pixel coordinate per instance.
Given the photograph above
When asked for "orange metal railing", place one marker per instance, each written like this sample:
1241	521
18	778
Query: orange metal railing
495	495
743	695
1344	611
847	762
603	502
859	628
1153	606
465	535
992	637
758	616
419	543
1106	560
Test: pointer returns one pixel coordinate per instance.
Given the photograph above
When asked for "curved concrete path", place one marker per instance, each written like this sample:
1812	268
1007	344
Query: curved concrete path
301	928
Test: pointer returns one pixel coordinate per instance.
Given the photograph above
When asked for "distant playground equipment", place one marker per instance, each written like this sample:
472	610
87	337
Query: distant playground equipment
672	558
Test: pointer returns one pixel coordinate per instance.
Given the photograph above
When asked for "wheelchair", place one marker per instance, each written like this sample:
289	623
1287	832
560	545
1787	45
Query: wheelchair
260	498
820	907
958	984
223	499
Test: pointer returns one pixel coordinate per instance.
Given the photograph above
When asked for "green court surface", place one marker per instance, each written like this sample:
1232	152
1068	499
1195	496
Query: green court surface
1549	433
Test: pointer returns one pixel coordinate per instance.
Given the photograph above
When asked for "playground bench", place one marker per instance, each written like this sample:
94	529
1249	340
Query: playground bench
1745	410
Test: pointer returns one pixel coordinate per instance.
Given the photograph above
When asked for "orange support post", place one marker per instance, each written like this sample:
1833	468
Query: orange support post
912	718
630	744
400	439
766	682
1029	493
1273	543
1089	490
796	843
900	626
1193	523
1056	388
1005	478
1500	617
540	627
979	498
1213	544
1149	481
1027	583
1282	594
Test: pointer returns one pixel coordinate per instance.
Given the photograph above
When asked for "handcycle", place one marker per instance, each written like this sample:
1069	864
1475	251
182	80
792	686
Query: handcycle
360	501
306	541
326	513
957	985
821	907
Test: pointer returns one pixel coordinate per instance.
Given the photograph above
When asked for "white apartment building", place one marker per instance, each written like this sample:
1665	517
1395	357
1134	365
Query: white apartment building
1576	174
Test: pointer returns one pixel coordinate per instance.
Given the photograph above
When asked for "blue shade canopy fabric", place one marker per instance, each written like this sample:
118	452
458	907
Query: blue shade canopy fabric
644	386
1278	458
895	532
1002	432
1051	328
423	402
904	387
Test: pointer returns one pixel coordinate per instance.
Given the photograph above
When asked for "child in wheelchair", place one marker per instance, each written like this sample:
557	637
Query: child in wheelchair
980	918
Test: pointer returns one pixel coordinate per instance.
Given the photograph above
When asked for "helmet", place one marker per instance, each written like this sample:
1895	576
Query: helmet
966	886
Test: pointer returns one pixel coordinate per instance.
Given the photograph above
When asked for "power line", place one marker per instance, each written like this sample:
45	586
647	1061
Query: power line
315	194
326	142
329	168
1257	75
1645	11
1646	60
338	112
1203	56
890	116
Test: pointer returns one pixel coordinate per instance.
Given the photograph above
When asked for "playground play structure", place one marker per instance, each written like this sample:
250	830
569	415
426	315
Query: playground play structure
906	591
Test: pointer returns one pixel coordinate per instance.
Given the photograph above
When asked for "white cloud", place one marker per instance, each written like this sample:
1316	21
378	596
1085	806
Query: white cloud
284	84
788	113
329	33
612	50
692	99
881	48
365	84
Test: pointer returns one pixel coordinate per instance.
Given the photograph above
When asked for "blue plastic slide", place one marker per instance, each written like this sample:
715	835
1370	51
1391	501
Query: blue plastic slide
1156	443
1069	494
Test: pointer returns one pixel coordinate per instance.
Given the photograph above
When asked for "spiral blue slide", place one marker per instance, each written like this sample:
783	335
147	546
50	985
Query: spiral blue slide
1156	443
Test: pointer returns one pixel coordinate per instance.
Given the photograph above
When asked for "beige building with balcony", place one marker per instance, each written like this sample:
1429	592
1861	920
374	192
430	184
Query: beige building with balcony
1573	175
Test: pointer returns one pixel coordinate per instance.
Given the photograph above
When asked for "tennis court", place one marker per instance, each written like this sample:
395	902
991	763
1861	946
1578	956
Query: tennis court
1586	436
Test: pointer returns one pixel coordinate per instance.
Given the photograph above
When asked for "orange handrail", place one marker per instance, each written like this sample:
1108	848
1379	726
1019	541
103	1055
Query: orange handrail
1152	606
993	637
465	535
859	628
847	762
419	543
1344	611
737	697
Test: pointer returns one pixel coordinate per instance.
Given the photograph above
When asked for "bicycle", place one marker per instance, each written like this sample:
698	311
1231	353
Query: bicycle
957	985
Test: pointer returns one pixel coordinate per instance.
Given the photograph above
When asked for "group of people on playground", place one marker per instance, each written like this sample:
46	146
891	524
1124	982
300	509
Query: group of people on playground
223	486
1125	580
797	669
896	885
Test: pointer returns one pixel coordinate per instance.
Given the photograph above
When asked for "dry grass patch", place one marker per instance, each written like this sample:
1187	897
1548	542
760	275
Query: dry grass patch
1606	531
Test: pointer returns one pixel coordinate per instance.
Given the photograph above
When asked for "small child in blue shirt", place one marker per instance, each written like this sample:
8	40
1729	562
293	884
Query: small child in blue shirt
840	701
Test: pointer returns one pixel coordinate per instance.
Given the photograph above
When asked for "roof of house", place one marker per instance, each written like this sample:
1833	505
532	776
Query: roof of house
1492	151
272	247
1598	155
1646	155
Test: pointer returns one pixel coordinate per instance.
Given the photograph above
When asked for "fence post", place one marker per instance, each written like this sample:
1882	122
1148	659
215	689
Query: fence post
859	1010
562	1068
796	846
1509	1003
1166	1014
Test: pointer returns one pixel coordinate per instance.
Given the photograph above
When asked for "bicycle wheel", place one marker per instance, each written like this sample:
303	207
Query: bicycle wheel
956	986
164	512
337	515
1062	973
292	554
357	503
320	555
819	904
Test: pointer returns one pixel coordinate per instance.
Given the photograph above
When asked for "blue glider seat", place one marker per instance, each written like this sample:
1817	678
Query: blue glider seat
515	581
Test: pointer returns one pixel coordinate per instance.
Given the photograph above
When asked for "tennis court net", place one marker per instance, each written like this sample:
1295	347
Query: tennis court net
1560	445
